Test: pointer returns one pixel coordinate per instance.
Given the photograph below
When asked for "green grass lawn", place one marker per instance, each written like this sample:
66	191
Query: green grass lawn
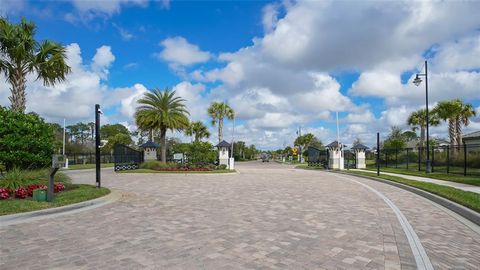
88	166
465	198
181	172
471	180
72	194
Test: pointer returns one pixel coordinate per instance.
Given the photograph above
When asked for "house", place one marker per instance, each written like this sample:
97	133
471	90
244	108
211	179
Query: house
472	138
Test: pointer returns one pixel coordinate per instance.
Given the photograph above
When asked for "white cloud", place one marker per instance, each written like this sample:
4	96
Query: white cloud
195	101
102	61
270	16
11	6
104	8
178	51
125	34
362	117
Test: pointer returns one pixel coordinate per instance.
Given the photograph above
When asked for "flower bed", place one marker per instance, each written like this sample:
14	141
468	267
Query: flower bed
24	192
184	169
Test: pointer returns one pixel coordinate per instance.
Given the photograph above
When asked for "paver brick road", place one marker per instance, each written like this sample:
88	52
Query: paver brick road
268	216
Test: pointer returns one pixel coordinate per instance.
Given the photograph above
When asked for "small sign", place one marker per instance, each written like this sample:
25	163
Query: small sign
178	156
58	161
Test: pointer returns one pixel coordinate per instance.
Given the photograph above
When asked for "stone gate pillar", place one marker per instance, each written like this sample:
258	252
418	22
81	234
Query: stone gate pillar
224	153
149	150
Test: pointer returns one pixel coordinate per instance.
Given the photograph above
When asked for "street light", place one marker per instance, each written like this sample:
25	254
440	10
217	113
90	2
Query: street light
417	82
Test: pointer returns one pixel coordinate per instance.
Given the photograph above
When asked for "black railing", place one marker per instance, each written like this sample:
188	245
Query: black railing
88	158
457	159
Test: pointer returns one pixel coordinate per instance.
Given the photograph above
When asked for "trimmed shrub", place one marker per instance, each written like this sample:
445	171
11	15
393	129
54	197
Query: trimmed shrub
222	167
26	141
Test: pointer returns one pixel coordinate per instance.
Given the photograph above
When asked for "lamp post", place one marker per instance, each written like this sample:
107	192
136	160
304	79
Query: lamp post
417	82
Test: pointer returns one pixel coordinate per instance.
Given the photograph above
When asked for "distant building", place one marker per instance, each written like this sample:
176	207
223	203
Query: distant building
472	138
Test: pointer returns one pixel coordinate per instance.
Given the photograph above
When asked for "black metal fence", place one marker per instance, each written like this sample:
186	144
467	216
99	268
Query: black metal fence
457	159
88	158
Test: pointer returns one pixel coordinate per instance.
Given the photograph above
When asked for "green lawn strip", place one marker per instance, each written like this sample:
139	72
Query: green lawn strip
470	180
89	166
465	198
181	172
73	194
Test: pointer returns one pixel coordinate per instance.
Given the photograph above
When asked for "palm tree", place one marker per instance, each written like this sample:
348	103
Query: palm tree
198	130
464	115
218	111
456	112
161	110
417	120
22	54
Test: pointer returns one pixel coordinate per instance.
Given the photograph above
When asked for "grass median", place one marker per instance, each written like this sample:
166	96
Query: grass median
465	198
470	180
73	193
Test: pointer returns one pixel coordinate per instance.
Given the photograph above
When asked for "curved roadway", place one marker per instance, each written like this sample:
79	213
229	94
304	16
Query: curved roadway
267	216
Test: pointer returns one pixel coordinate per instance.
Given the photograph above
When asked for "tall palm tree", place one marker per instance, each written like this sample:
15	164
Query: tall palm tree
22	54
198	130
161	110
218	111
447	111
417	120
466	112
456	112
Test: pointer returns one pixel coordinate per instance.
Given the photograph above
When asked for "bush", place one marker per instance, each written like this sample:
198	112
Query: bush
16	178
157	165
26	141
222	167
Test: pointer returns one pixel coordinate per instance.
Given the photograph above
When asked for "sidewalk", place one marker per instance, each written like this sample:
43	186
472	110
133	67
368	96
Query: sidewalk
461	186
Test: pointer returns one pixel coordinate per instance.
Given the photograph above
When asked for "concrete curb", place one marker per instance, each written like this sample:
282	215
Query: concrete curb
7	220
450	205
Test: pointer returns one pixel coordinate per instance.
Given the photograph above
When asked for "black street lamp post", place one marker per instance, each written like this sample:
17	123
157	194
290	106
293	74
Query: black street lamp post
417	82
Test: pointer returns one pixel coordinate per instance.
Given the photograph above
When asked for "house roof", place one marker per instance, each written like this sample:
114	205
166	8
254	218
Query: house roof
360	146
223	144
475	134
333	144
150	144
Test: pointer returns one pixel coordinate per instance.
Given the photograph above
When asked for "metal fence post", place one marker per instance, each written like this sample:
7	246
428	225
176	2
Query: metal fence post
386	158
448	159
433	158
378	153
396	158
464	159
408	157
419	157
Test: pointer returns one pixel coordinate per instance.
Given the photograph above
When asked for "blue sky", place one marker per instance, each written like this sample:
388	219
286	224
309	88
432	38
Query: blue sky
280	64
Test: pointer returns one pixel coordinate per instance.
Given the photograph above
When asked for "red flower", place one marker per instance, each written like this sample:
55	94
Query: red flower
57	187
4	194
21	193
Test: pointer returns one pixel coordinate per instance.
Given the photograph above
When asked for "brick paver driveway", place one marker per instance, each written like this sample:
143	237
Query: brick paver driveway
268	216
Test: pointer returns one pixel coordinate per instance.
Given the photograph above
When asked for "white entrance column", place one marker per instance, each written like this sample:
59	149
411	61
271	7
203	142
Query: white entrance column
359	150
335	156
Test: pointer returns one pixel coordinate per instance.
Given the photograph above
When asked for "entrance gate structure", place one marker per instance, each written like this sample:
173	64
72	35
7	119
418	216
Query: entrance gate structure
126	158
317	157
